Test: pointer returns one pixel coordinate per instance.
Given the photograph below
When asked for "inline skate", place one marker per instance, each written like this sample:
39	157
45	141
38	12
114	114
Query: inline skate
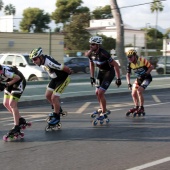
54	123
102	118
96	112
23	123
13	134
139	112
132	111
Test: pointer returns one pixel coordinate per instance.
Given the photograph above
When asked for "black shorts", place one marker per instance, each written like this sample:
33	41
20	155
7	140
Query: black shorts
58	86
15	91
105	78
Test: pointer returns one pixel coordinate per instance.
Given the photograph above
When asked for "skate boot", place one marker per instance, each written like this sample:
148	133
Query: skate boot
54	123
14	134
131	111
139	112
23	124
96	112
62	112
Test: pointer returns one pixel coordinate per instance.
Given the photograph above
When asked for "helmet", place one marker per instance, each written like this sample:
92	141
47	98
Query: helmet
95	40
131	52
37	52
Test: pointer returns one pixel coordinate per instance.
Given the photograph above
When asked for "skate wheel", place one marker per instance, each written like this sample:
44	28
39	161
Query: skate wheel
92	115
59	125
64	113
22	135
134	114
5	138
23	127
29	124
107	121
48	128
128	114
101	122
94	122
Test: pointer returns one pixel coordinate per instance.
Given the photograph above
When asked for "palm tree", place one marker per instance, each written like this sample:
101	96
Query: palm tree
9	10
1	5
157	6
120	35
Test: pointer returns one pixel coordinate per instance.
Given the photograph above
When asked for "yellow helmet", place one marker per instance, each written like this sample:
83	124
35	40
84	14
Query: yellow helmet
131	52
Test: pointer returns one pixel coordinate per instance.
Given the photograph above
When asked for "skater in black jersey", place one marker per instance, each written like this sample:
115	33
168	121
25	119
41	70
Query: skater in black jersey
107	67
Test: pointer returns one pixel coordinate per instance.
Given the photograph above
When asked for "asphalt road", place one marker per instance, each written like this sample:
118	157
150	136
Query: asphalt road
124	144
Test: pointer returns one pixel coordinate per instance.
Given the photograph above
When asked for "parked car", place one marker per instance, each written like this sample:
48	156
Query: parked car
153	60
160	68
77	64
25	65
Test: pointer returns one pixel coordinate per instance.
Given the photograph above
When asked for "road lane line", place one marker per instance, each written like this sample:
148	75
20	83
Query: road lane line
147	165
83	107
156	99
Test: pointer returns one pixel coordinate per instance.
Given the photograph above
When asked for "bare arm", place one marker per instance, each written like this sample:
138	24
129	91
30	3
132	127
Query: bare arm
67	70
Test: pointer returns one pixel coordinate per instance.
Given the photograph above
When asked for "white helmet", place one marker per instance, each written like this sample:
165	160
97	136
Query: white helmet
95	40
36	53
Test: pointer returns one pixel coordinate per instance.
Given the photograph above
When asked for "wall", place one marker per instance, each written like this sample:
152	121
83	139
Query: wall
51	43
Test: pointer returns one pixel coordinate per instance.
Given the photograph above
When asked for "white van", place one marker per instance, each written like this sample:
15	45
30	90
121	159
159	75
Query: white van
30	71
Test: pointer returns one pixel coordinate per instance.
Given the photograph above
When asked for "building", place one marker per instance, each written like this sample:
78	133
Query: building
6	23
107	27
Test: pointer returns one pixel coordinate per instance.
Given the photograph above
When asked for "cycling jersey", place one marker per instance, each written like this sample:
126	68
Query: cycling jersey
140	67
106	74
53	68
102	59
18	87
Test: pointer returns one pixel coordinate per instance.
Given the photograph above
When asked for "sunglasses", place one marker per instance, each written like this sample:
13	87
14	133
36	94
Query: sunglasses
35	59
92	44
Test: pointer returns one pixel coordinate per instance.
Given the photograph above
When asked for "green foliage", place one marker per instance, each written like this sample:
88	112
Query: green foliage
35	20
156	6
76	35
102	12
9	10
151	33
65	9
108	42
1	5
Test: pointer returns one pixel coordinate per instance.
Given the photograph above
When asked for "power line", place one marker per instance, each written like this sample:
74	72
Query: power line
139	4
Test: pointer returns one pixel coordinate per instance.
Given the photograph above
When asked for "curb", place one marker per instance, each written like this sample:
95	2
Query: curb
78	98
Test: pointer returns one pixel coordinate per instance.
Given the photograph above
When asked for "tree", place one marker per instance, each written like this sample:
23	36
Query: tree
76	36
1	5
157	6
120	35
9	10
102	12
67	8
35	20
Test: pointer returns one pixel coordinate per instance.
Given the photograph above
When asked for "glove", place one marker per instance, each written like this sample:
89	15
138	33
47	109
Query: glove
118	82
129	86
93	81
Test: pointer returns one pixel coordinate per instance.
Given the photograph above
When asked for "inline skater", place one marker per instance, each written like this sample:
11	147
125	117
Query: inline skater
101	59
13	83
60	79
142	69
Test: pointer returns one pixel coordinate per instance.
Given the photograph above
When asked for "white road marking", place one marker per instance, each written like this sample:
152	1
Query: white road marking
147	165
82	108
156	99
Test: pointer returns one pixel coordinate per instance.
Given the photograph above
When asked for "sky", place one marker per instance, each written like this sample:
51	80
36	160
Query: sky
137	17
